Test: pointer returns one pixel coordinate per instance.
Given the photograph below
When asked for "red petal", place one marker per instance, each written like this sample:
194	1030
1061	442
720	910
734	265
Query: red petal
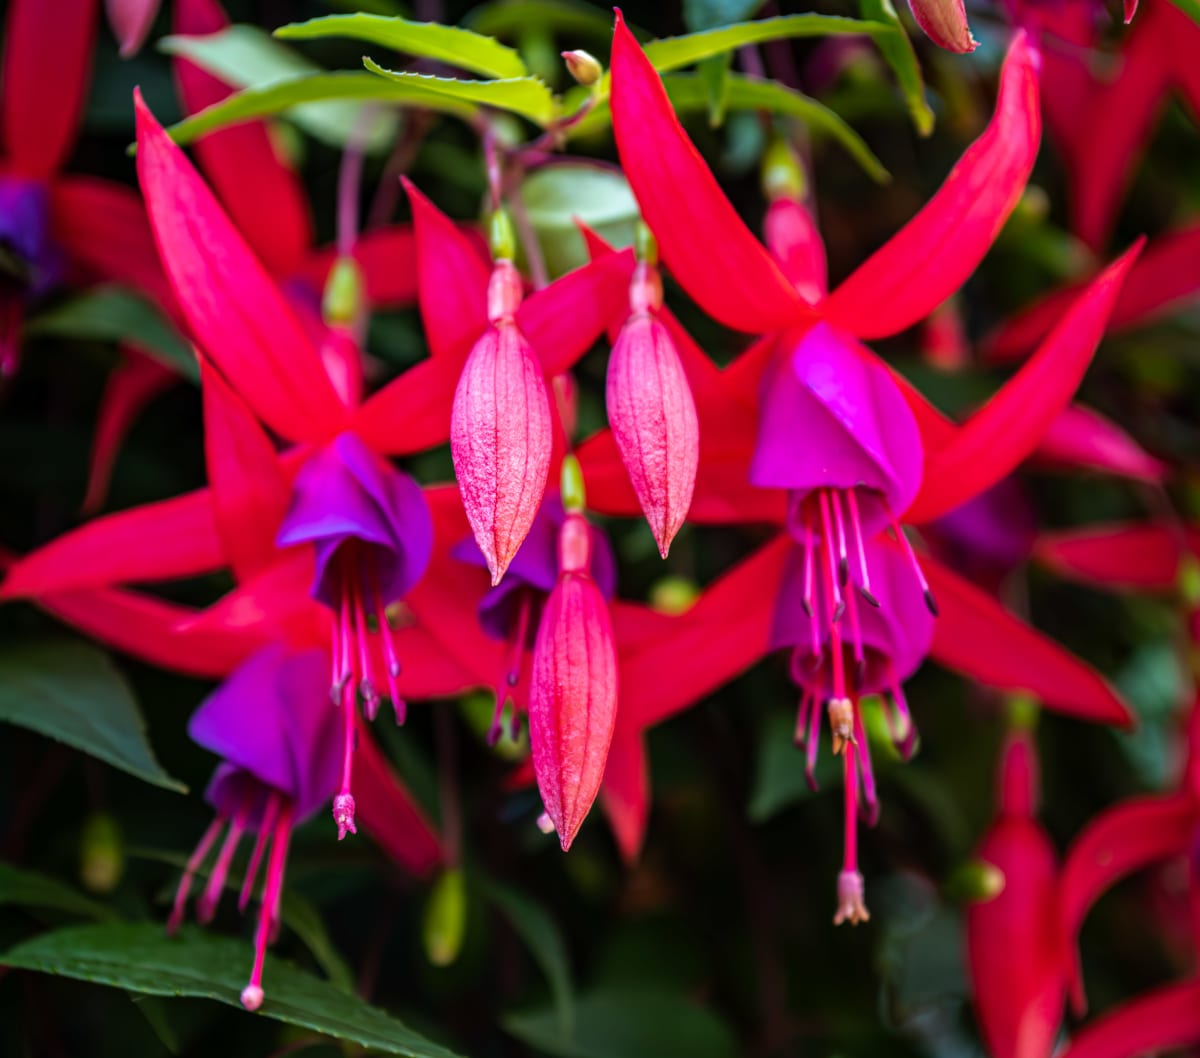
411	412
272	603
1001	435
573	701
1080	437
389	813
932	256
690	656
47	66
1165	1019
262	195
625	792
1163	280
160	541
452	280
103	228
130	387
703	241
235	310
131	21
1138	557
149	630
250	492
976	636
795	242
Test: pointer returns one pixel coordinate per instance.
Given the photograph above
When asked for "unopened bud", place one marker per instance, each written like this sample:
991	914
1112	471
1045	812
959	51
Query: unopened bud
673	595
782	173
974	882
102	853
574	495
445	918
343	301
585	68
502	240
945	23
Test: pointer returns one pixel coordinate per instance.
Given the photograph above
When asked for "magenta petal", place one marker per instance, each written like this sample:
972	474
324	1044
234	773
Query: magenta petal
573	701
346	492
833	418
501	439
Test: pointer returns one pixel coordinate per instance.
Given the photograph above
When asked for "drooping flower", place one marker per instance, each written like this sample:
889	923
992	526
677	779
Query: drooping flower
1014	952
650	405
272	725
501	433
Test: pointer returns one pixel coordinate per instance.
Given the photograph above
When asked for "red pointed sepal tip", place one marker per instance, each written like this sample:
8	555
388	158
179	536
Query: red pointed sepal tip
653	418
573	689
501	430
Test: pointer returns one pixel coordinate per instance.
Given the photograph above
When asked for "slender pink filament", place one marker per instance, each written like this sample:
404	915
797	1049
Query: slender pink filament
850	856
859	545
189	872
270	811
206	906
834	590
843	566
269	909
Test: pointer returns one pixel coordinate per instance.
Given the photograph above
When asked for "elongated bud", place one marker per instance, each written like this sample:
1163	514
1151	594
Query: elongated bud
101	853
574	496
782	173
445	918
573	689
500	429
652	413
945	23
343	301
1013	949
585	68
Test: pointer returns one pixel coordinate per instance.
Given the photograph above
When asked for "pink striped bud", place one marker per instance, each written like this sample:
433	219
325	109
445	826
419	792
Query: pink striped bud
573	688
652	414
945	23
500	429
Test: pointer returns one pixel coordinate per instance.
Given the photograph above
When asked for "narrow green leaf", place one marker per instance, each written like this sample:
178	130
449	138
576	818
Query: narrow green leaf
671	53
527	96
116	314
544	941
30	889
71	692
449	44
504	17
282	96
647	1022
714	76
142	958
897	49
248	57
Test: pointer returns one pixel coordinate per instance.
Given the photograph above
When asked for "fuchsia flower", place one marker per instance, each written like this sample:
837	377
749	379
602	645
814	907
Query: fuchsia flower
855	449
273	726
1013	940
57	228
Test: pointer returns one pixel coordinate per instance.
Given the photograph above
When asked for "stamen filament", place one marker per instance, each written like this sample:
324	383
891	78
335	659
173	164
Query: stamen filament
270	811
864	574
835	592
252	994
189	872
916	566
206	906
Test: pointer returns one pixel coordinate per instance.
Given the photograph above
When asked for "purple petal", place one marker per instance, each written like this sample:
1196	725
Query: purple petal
35	262
988	536
346	492
833	418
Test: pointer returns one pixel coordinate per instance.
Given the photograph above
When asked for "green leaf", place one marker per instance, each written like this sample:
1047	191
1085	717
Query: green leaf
449	44
671	53
142	958
30	889
248	57
714	75
556	194
116	314
897	49
282	96
779	779
506	17
544	941
527	96
649	1022
71	692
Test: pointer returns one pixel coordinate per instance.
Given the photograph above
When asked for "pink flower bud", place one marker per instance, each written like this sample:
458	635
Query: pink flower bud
583	67
573	689
501	436
945	23
653	419
1016	962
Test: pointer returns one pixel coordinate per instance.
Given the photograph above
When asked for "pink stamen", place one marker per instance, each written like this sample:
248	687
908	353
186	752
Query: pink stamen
252	994
808	602
807	702
850	778
856	641
343	803
838	603
260	846
864	575
399	706
206	906
810	748
916	566
843	565
366	686
189	872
